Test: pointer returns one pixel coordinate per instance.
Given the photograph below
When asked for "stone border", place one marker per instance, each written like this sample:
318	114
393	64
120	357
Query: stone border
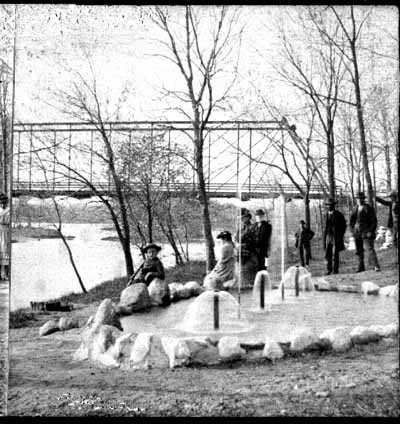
105	345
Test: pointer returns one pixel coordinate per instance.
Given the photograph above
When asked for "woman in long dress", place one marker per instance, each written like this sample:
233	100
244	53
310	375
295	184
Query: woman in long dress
4	236
224	270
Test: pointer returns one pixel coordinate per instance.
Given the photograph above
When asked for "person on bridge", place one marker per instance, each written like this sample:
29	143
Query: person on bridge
4	236
303	243
263	230
151	268
335	227
224	270
393	219
363	225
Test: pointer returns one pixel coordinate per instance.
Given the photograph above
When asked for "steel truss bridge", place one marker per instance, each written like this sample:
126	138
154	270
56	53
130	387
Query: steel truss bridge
69	158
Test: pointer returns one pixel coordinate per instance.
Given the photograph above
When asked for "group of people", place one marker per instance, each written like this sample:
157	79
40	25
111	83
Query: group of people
363	225
253	242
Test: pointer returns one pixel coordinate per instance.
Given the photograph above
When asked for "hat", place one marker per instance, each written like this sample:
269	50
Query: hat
360	195
302	222
259	212
3	198
245	212
150	246
393	194
330	201
224	235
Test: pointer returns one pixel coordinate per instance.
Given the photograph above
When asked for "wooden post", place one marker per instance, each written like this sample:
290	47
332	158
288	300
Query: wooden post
262	293
69	158
296	281
216	311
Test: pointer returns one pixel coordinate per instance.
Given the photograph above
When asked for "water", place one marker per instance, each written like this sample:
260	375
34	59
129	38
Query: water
41	269
315	310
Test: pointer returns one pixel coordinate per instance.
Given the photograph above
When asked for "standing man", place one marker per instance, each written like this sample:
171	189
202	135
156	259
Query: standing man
335	227
393	220
303	242
263	230
363	225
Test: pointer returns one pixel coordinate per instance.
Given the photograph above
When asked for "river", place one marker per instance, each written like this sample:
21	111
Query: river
41	269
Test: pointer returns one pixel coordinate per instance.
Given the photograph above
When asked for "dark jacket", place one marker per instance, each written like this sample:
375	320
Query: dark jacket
335	225
393	210
304	237
363	222
263	238
152	268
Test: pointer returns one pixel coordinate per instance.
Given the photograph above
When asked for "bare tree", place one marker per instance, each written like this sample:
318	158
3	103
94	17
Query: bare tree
199	62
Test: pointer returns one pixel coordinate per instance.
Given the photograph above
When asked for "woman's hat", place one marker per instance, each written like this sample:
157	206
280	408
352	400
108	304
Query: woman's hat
3	198
330	201
224	235
150	246
259	212
360	195
245	212
302	222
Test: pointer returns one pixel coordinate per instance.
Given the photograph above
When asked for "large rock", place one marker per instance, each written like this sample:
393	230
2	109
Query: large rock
389	330
177	351
66	323
183	292
338	337
135	298
303	340
194	288
121	349
229	349
159	292
147	352
322	284
390	291
202	351
173	291
100	340
48	328
368	287
306	283
272	350
106	314
362	335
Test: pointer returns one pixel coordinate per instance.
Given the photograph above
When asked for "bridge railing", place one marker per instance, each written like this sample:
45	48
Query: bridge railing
105	186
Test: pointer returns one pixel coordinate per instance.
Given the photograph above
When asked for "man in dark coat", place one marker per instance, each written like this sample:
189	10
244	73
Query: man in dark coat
303	242
393	218
335	227
263	231
363	225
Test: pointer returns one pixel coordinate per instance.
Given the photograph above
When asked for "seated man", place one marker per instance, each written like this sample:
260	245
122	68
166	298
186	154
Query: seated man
151	268
225	267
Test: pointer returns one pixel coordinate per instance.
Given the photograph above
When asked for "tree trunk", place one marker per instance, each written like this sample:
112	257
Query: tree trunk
331	157
360	117
201	186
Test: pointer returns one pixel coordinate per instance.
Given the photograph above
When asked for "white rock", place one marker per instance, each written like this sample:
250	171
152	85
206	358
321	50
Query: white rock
147	352
106	360
322	284
229	349
368	287
390	291
339	338
66	323
202	351
159	292
48	328
173	290
391	330
122	347
135	298
272	350
194	287
305	283
302	340
106	314
100	341
177	351
183	292
361	335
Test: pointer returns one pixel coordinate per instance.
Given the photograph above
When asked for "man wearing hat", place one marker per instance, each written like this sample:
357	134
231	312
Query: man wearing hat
263	231
363	225
151	268
335	227
4	236
393	218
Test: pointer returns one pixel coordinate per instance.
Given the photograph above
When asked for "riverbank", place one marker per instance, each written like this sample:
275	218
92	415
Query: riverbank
24	232
45	381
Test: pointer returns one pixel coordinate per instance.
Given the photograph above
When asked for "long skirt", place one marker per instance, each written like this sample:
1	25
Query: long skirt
4	244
